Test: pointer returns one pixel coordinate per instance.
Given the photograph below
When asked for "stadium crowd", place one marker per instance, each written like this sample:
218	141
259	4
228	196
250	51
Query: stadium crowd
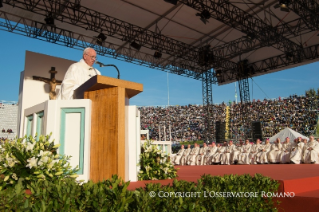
187	122
228	153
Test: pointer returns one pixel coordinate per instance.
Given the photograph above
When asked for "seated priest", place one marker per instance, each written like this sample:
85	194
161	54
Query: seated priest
255	148
201	154
262	155
243	157
77	74
211	151
275	151
178	156
183	159
218	154
311	151
192	155
227	157
285	151
296	151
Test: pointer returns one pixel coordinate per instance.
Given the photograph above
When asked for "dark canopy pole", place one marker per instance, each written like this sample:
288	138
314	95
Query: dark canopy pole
207	81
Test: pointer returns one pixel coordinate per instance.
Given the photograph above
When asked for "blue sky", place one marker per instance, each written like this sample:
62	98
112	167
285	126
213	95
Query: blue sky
182	90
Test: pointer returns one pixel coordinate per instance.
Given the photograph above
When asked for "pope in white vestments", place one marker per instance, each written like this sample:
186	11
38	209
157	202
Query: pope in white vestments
312	151
77	74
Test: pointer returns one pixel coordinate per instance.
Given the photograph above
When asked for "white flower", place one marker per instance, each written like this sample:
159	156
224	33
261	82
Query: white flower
163	154
29	147
14	176
32	162
166	170
147	168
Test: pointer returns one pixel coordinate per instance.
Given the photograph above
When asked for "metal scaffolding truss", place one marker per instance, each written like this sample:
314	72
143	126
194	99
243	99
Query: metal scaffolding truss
208	104
238	19
308	10
70	39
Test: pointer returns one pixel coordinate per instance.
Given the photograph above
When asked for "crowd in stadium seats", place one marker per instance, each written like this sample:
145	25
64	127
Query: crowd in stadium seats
297	152
187	122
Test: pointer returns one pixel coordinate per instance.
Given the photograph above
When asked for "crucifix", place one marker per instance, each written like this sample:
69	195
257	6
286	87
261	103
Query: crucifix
51	81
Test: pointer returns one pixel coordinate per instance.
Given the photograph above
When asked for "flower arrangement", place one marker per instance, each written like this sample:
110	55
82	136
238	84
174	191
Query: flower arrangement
32	160
155	164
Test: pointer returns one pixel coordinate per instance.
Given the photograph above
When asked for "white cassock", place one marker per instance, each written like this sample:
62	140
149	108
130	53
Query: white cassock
76	75
311	156
208	156
236	153
243	157
274	153
227	157
296	152
253	152
262	155
192	156
177	158
218	154
303	152
285	153
201	155
184	157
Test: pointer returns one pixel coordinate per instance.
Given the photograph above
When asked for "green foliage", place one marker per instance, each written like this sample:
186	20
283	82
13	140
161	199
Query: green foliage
191	142
112	195
155	164
31	161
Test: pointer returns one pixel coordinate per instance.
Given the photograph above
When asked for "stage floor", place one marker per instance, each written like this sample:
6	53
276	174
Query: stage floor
274	171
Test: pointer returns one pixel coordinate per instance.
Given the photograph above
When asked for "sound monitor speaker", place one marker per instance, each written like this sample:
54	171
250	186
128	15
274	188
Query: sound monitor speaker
220	131
256	129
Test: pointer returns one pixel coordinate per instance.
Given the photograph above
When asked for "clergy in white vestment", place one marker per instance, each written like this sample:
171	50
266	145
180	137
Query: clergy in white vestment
218	154
183	159
208	157
285	151
227	157
304	141
178	156
201	154
77	74
312	151
275	151
255	148
192	156
296	151
262	155
243	157
236	151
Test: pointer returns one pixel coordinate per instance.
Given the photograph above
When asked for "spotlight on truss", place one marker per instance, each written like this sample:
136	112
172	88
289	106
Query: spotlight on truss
1	5
157	55
49	20
171	1
100	39
283	5
136	45
204	16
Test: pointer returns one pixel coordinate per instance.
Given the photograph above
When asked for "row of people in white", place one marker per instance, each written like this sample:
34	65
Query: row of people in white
298	152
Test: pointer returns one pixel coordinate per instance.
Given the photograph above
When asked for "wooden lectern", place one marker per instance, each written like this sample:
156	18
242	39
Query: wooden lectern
109	97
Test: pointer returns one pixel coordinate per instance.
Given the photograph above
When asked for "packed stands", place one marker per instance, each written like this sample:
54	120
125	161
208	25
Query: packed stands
8	120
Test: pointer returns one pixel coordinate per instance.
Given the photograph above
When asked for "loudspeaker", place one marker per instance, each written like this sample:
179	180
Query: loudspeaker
220	131
257	132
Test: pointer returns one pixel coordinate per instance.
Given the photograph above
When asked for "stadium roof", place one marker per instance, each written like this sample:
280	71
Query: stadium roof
231	39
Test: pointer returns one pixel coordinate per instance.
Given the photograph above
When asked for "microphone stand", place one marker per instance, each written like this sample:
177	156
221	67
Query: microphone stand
104	65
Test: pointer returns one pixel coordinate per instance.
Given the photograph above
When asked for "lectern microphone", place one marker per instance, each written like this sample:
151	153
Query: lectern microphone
102	65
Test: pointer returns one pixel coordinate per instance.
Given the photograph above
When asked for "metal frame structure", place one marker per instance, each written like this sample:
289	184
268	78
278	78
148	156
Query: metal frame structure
208	104
215	65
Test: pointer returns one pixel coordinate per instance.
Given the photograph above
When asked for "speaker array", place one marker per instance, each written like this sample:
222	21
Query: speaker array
256	128
220	131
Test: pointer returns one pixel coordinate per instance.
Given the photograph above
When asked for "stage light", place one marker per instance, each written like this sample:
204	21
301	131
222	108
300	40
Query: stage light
49	20
1	5
157	55
205	57
100	39
251	35
204	16
136	45
283	4
171	1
